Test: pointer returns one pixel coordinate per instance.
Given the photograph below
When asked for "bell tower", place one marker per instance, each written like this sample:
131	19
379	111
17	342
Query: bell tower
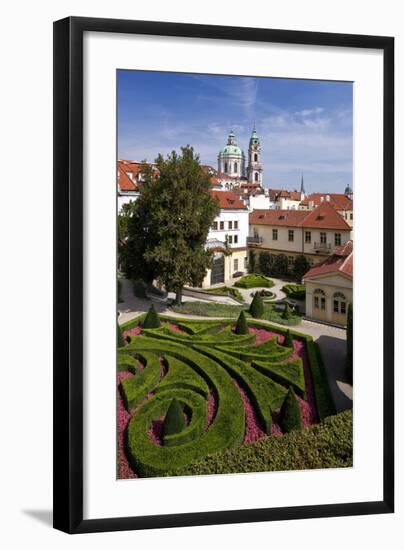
254	169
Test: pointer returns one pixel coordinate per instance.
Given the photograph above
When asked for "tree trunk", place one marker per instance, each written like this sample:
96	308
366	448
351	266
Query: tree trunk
178	297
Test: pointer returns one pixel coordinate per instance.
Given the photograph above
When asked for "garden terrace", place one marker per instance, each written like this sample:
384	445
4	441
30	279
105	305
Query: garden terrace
230	387
254	281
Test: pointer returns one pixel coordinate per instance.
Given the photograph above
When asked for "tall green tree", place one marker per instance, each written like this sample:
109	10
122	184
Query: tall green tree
170	221
251	261
300	267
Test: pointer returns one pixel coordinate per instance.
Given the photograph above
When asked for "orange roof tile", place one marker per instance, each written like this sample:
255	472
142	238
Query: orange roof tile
337	263
229	201
338	200
323	217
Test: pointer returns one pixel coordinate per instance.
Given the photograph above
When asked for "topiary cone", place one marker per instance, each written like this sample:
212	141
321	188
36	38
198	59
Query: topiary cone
257	306
288	342
289	418
120	342
174	421
241	325
152	319
287	314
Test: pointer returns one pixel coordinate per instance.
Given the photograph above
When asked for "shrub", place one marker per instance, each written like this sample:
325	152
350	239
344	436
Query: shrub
325	445
287	314
290	419
253	281
288	342
120	342
139	288
322	393
294	291
257	306
174	421
181	375
280	266
300	266
265	262
251	261
287	374
152	319
136	388
241	325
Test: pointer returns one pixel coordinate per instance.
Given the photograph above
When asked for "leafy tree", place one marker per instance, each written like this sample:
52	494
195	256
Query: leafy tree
251	261
265	262
301	266
174	421
257	306
122	228
151	320
288	342
287	314
280	265
170	222
289	418
241	325
120	342
349	344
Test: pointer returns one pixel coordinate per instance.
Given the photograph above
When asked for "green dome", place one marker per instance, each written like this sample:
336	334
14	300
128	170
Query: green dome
231	150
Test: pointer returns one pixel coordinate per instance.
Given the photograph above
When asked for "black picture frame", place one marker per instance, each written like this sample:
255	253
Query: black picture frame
68	273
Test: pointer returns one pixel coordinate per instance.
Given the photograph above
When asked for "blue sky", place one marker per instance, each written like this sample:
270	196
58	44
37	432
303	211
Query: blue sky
305	126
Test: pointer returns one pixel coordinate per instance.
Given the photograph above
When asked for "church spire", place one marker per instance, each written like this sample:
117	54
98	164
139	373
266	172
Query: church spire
302	191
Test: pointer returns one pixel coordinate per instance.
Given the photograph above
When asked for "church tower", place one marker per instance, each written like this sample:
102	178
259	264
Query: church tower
254	169
231	158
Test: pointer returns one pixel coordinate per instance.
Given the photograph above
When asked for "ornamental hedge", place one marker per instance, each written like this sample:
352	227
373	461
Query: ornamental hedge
254	281
218	378
290	413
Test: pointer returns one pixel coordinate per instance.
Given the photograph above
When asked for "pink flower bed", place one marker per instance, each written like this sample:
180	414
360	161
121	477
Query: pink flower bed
253	429
124	469
212	409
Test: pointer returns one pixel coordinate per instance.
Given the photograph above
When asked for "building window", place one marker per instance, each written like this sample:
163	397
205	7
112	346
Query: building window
225	167
221	226
291	260
235	239
291	235
236	224
214	226
337	239
339	303
230	225
274	234
245	262
255	157
230	239
236	265
319	299
256	176
323	237
351	216
307	236
235	167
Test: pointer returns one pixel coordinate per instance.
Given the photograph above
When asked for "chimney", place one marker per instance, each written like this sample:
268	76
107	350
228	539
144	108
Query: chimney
327	198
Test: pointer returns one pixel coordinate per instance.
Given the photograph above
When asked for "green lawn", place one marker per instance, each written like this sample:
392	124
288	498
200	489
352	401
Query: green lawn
226	290
210	309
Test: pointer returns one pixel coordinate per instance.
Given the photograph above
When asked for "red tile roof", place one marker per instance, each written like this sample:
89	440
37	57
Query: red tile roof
338	200
124	181
228	201
323	217
340	262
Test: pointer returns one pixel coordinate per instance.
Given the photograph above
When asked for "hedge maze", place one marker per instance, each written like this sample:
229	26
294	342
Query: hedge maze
188	376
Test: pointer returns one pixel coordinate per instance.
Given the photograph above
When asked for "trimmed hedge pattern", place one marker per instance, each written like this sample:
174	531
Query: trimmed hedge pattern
254	281
206	360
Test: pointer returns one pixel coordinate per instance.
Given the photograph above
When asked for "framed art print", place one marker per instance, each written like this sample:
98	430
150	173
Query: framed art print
223	275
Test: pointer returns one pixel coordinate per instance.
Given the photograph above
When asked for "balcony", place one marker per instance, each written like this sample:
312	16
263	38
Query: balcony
254	240
322	248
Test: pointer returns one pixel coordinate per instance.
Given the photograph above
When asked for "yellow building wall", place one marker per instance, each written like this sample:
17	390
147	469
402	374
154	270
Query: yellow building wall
329	284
